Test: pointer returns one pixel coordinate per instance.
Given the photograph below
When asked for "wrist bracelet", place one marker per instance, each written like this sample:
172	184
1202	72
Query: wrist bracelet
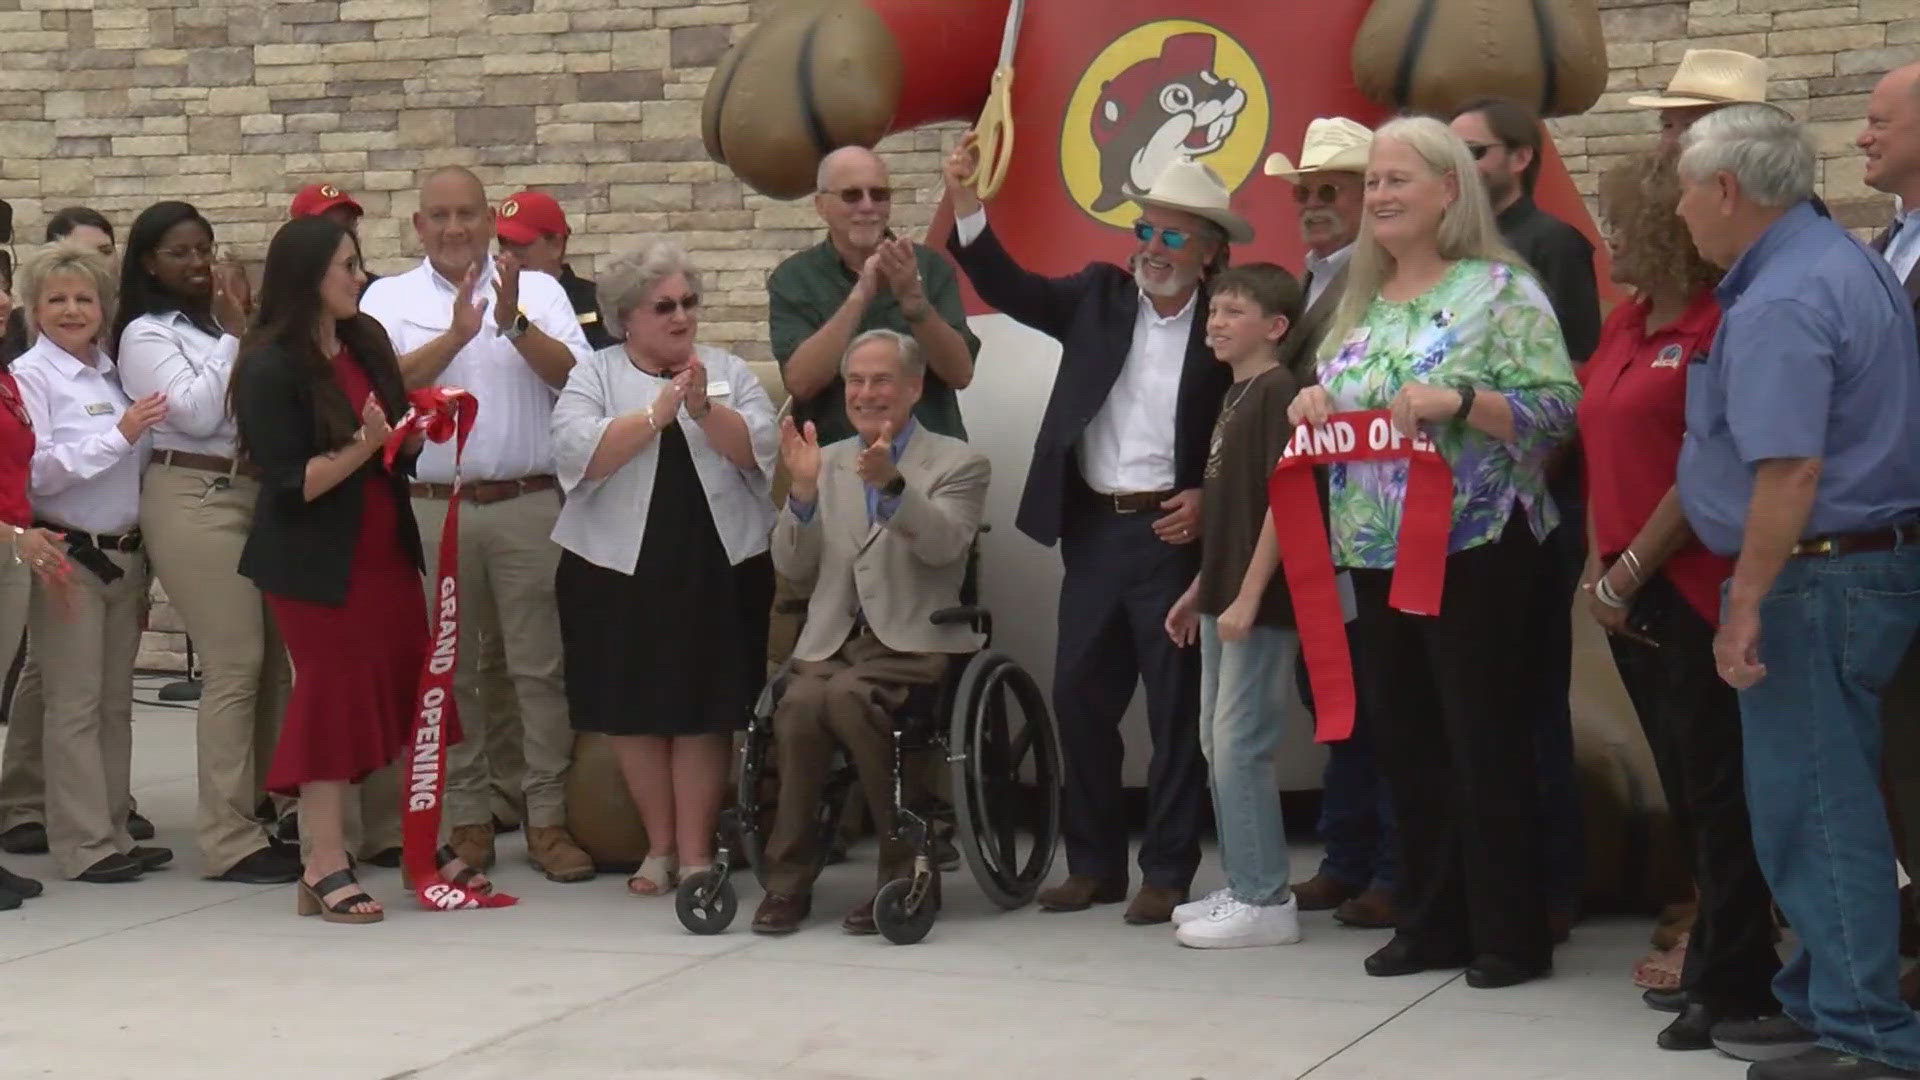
1604	591
1633	566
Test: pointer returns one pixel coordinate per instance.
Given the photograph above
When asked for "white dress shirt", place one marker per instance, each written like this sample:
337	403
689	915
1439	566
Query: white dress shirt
512	434
604	521
1128	445
1903	254
167	354
85	475
1322	269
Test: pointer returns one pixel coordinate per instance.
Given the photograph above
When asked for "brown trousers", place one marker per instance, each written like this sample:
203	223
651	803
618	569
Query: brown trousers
847	701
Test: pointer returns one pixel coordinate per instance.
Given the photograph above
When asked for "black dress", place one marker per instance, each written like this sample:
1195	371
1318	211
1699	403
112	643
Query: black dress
679	646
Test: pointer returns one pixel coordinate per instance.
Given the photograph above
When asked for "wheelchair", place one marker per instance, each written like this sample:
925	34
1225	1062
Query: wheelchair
988	720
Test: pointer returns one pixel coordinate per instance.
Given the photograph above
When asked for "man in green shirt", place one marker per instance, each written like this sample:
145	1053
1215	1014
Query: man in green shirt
861	278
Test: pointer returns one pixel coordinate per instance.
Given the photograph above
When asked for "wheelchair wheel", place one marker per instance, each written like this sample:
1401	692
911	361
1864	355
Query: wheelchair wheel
1006	778
706	903
750	770
891	918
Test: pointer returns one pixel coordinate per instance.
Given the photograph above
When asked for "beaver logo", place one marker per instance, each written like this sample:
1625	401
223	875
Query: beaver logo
1161	91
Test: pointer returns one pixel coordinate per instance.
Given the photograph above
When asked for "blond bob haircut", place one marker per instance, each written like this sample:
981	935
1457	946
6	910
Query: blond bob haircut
1467	228
54	260
627	281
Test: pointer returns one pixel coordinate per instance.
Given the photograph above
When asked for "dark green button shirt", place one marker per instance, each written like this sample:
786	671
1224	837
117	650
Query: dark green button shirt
804	292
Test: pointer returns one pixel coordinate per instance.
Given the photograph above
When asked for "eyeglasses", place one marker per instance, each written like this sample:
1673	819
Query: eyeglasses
851	196
1479	149
187	252
666	305
1174	239
1326	193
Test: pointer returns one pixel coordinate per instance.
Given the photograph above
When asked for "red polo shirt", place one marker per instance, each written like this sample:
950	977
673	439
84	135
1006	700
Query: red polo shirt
16	454
1633	416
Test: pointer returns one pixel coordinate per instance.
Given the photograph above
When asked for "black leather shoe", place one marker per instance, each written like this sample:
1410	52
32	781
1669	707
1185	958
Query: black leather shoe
29	838
1762	1040
23	887
1691	1030
1821	1063
1403	956
151	858
111	870
1667	1001
10	900
1489	972
139	827
268	866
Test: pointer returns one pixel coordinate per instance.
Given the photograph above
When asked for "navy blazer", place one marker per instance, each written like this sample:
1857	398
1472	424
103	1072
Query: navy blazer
1091	314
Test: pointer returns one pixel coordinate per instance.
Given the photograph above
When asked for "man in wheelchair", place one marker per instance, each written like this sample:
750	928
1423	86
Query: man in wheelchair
879	526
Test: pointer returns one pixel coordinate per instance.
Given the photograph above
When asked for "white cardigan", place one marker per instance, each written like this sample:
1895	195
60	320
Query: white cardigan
603	521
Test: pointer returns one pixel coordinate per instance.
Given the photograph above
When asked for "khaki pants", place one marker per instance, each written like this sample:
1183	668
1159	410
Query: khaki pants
507	563
846	701
505	763
195	523
20	768
86	638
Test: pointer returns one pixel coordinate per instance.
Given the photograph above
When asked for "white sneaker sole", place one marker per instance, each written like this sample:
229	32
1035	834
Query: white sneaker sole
1195	941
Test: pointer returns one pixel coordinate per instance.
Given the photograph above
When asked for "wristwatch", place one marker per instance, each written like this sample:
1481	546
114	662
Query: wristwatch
1465	390
894	488
520	324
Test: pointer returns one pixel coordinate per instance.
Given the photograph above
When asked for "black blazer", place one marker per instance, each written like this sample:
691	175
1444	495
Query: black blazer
1091	314
299	549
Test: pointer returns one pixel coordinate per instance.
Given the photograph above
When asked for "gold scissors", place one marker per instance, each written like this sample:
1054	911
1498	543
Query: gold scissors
993	132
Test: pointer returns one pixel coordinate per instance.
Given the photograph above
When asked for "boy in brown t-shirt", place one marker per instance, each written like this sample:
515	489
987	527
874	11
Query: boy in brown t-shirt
1238	611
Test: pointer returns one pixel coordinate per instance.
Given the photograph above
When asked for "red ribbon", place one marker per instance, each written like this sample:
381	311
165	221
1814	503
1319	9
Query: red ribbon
439	413
1420	563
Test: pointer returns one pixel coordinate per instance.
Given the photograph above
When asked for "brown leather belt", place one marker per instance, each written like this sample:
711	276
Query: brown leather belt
1853	543
180	459
1132	502
482	492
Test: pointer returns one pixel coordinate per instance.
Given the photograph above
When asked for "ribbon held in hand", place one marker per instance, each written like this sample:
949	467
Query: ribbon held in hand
439	413
1420	562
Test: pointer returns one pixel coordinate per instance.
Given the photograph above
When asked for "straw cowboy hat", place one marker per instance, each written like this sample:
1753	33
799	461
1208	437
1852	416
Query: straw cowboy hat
1333	144
1190	186
1711	77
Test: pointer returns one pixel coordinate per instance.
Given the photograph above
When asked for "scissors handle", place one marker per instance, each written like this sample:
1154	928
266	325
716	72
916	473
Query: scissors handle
993	137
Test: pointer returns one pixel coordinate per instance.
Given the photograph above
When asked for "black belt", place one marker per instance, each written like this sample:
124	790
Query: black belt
128	541
1132	502
1853	543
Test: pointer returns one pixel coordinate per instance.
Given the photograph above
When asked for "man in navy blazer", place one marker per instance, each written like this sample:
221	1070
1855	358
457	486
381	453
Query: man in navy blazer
1115	481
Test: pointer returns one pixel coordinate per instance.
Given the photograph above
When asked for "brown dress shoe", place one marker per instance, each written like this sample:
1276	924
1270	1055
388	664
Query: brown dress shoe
1154	904
1371	910
553	852
1322	893
1080	892
860	920
474	844
780	914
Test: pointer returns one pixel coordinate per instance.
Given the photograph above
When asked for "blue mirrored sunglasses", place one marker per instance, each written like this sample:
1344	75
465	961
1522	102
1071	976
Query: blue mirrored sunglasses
1174	239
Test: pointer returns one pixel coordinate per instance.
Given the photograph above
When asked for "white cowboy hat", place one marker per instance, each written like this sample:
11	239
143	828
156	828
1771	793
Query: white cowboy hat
1711	77
1190	186
1333	144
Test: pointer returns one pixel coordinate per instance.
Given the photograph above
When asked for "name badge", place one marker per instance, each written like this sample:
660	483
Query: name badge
719	388
100	408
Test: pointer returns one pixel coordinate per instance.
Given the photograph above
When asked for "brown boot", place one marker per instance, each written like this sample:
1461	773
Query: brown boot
1154	904
474	845
1371	910
1080	892
780	914
553	853
1322	893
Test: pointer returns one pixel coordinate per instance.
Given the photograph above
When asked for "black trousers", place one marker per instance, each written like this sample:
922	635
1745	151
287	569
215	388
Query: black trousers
1120	581
1692	721
1455	741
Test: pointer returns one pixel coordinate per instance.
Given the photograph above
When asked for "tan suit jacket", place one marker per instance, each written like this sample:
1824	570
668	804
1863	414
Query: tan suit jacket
898	573
1299	350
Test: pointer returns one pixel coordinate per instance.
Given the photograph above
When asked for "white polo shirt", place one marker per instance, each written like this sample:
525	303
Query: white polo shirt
168	354
85	475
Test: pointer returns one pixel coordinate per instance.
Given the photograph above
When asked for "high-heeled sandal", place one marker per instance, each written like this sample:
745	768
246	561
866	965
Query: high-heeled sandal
656	874
445	857
309	899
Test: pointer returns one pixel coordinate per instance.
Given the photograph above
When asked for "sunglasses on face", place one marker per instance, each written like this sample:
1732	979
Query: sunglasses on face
666	305
1174	239
851	196
1326	193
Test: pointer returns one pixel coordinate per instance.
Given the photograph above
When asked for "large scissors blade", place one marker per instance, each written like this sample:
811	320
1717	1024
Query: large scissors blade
1010	37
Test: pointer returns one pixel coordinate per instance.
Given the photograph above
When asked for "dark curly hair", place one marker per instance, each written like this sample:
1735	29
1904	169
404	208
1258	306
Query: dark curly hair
1653	251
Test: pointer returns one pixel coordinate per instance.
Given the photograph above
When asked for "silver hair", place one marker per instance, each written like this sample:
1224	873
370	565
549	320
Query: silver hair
1765	151
630	277
904	347
71	258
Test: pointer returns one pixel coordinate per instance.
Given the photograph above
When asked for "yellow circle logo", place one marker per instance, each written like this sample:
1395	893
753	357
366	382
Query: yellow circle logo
509	208
1159	92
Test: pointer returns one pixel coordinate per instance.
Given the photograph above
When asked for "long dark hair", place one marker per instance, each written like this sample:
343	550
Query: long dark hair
140	292
287	322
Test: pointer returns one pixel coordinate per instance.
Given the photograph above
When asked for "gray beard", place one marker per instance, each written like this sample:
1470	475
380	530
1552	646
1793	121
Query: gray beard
1166	290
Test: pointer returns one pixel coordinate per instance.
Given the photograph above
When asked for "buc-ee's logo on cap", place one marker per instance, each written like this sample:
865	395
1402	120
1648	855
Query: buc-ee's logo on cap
1162	90
328	191
509	208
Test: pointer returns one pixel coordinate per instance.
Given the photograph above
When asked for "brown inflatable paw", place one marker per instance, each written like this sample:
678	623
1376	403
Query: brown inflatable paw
812	77
1432	56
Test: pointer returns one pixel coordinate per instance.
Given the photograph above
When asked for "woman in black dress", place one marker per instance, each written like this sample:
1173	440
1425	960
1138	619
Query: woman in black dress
665	450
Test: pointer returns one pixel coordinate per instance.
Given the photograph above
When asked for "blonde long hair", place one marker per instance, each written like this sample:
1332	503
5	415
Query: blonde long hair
1467	228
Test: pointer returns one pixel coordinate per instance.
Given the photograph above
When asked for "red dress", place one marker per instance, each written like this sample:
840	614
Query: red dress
356	666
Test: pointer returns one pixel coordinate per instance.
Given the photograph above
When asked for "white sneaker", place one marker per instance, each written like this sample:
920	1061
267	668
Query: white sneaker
1199	909
1234	925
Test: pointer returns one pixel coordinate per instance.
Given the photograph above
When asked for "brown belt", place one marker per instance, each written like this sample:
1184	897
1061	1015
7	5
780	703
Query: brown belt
180	459
1132	502
1852	543
482	492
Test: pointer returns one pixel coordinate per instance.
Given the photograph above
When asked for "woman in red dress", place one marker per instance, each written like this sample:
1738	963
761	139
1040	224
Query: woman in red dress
314	394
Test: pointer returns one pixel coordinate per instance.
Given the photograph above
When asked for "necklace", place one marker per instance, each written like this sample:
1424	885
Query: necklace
1220	428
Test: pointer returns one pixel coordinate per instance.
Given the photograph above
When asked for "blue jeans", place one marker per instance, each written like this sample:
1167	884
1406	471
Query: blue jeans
1240	727
1356	812
1832	630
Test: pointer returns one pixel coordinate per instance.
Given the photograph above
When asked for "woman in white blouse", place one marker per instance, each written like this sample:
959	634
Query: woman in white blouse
90	444
665	450
180	317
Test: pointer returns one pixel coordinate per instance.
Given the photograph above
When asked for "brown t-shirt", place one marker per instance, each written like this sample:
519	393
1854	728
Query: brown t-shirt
1248	438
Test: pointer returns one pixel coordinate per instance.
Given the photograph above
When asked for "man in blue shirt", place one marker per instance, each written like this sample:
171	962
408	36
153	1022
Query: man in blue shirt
1799	459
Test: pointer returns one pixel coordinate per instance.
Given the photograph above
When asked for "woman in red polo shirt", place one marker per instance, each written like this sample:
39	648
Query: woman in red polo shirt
1656	590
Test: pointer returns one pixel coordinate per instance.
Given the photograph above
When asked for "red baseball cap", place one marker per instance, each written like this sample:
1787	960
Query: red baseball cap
316	199
527	216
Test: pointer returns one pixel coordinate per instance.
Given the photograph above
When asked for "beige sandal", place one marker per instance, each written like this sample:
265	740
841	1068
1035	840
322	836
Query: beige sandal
656	876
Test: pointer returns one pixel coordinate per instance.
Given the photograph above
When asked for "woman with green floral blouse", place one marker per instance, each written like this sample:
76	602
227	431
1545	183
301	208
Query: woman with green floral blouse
1445	326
